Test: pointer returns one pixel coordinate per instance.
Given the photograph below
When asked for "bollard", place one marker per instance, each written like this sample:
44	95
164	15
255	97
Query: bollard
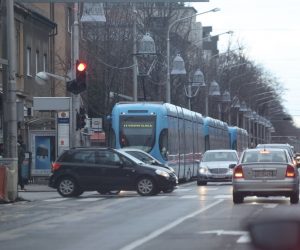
3	194
11	180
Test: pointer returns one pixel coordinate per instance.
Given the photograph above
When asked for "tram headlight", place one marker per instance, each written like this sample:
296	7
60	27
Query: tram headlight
162	173
203	170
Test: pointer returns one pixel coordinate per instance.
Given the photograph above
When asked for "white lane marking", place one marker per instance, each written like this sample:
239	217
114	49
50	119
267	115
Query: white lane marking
244	239
223	196
270	205
182	189
189	197
160	231
90	199
265	205
244	235
58	199
156	197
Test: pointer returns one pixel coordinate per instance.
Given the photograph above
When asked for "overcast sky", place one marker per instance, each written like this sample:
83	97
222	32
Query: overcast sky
270	32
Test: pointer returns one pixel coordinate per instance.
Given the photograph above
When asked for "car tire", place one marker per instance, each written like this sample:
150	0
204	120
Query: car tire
294	198
237	198
146	186
67	187
201	183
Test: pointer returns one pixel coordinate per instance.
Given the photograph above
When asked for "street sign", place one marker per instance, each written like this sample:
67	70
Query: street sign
108	1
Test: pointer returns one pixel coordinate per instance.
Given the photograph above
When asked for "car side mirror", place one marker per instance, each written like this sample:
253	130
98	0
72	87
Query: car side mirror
232	166
275	234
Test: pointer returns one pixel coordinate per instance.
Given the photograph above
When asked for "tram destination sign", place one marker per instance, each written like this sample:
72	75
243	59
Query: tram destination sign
107	1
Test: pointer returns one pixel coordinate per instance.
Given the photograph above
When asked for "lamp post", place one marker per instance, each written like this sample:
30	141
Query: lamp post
168	84
197	82
214	91
145	59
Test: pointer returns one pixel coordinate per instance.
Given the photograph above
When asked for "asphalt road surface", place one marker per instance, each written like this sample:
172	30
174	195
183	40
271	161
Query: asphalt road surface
191	217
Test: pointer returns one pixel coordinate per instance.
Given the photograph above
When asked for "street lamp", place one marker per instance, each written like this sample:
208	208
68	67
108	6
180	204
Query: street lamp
168	84
191	90
145	59
213	91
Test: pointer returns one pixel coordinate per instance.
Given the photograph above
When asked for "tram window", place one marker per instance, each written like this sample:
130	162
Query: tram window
163	144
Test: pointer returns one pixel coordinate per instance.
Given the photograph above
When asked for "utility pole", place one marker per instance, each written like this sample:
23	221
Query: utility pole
9	103
135	64
75	134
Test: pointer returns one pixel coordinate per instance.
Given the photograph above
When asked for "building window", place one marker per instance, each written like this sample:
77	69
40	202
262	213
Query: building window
28	61
45	62
37	61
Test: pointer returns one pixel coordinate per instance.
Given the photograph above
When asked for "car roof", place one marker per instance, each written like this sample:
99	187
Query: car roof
132	149
221	150
269	148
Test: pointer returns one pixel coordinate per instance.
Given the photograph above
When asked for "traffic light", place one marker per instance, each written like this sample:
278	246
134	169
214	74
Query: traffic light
78	85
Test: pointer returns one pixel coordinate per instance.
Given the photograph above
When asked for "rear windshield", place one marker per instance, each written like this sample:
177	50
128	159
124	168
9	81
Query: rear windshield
264	156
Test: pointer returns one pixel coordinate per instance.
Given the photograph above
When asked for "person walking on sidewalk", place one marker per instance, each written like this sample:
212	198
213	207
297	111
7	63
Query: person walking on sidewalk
21	157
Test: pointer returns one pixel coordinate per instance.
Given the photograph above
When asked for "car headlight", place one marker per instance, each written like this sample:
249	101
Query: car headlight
230	171
162	173
203	170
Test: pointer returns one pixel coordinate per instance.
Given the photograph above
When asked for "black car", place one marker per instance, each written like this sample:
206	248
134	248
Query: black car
105	169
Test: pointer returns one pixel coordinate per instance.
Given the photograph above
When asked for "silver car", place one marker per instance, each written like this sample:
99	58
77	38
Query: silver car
214	166
265	172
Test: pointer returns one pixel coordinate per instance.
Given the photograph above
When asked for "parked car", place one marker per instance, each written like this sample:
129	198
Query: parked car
105	169
214	166
145	157
265	172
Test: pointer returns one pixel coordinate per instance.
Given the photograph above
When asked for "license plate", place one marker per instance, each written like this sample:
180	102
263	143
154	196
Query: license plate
219	176
265	173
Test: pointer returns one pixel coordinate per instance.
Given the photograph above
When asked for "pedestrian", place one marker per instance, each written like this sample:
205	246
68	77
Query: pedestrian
21	157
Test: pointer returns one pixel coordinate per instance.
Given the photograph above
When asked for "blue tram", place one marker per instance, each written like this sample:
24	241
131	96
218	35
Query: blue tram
238	139
172	134
216	134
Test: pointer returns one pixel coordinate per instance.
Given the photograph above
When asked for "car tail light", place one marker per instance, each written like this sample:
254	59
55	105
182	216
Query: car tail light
55	166
238	172
290	172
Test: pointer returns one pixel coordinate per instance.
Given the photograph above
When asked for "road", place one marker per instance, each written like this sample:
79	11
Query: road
191	217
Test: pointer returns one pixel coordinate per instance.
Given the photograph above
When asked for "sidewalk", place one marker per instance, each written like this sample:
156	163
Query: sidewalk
37	188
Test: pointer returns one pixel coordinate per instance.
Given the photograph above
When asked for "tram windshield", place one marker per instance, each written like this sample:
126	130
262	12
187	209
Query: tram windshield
137	132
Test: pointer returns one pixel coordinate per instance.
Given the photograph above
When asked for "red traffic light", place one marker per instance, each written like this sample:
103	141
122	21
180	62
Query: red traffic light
81	66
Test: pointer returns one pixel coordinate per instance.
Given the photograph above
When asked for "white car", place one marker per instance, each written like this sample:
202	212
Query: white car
145	157
214	166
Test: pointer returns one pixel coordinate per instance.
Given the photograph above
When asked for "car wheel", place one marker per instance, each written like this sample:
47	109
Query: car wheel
146	186
294	198
237	198
201	183
67	187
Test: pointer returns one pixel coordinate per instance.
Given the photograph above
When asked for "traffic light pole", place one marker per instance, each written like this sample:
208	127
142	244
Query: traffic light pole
75	134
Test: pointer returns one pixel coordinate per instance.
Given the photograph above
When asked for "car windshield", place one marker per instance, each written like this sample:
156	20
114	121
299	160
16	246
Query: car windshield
143	157
134	159
219	156
264	155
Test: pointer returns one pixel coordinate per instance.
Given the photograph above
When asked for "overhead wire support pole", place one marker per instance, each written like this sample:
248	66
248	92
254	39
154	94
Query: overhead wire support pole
75	134
135	64
10	132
